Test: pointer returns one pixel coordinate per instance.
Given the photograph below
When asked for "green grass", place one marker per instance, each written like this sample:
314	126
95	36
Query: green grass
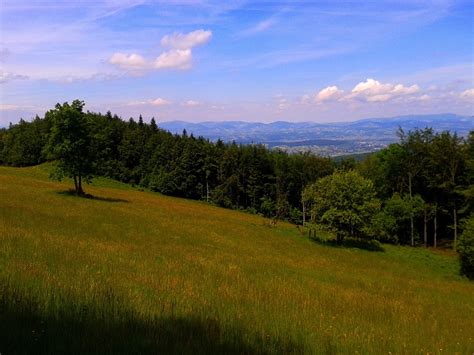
137	272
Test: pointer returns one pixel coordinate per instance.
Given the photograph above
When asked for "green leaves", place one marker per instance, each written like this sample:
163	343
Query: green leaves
70	141
344	201
466	248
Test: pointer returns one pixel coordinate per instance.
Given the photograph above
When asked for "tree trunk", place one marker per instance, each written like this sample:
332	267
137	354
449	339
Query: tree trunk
455	217
207	190
411	212
80	192
76	189
435	237
304	214
425	229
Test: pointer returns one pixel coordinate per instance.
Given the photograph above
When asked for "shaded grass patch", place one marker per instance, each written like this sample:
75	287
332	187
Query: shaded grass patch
88	196
369	245
108	326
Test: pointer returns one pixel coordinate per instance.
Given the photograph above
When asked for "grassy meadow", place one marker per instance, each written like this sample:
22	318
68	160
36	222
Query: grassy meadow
137	272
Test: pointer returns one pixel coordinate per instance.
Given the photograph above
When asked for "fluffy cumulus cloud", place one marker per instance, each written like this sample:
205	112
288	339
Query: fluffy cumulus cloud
179	56
128	61
175	58
7	76
467	94
186	40
373	90
329	93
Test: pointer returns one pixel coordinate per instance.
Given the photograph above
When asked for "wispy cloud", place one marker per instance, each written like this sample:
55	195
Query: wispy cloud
191	103
152	102
186	40
7	76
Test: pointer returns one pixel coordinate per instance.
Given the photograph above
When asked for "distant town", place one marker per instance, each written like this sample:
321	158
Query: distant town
325	139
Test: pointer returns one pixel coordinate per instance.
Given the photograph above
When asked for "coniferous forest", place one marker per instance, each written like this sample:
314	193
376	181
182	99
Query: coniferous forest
419	191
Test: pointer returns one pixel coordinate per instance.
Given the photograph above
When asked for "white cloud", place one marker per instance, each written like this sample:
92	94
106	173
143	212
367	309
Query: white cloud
187	40
172	59
159	102
191	103
136	103
372	90
175	58
128	61
153	102
329	93
399	89
378	98
178	57
371	86
467	94
7	76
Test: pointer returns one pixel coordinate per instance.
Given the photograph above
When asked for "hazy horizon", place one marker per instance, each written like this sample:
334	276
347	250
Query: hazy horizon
147	119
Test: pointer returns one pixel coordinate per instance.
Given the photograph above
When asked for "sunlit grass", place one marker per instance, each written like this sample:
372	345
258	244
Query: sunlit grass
137	272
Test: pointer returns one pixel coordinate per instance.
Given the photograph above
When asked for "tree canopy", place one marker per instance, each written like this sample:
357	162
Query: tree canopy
70	143
344	201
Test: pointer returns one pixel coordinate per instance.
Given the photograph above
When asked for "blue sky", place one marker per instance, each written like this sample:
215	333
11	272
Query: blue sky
262	61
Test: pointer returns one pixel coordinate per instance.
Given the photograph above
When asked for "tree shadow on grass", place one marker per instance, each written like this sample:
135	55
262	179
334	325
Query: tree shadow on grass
370	245
91	197
109	328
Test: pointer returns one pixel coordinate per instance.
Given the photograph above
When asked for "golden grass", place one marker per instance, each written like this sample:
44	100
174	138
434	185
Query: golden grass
166	257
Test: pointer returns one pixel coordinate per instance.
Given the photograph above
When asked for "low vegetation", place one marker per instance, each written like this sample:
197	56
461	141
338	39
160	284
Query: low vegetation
128	271
466	248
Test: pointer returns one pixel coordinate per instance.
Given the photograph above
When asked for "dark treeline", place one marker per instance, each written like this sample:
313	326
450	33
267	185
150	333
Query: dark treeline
420	188
247	177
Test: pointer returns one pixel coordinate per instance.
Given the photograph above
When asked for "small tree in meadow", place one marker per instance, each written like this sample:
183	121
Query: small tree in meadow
70	143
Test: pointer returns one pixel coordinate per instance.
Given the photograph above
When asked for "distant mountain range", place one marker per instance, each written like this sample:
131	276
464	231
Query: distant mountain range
331	139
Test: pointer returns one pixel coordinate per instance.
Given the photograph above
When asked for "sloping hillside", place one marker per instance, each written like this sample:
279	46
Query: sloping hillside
134	272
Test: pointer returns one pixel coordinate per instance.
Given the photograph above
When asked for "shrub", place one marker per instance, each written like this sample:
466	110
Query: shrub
466	248
375	245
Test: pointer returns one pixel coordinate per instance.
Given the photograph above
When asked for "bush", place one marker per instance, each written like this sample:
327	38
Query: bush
267	207
375	245
466	248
